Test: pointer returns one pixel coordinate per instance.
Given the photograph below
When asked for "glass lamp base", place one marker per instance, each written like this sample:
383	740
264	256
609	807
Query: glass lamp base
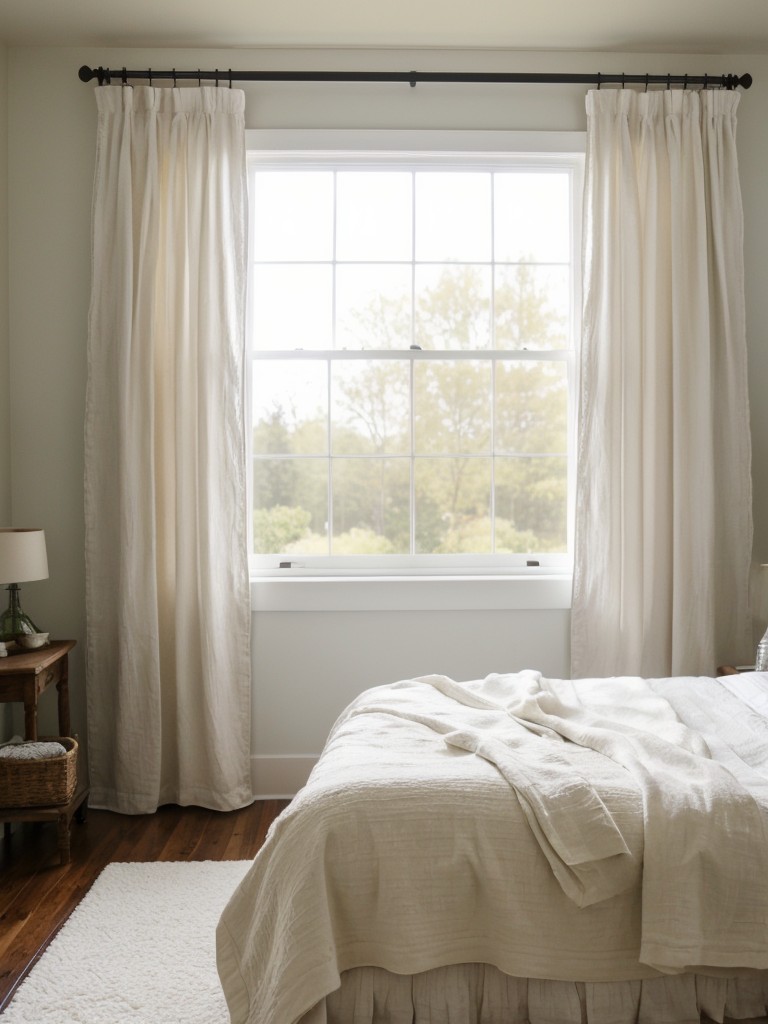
14	621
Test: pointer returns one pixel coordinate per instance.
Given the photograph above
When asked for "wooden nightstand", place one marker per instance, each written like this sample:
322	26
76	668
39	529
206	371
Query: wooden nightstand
24	677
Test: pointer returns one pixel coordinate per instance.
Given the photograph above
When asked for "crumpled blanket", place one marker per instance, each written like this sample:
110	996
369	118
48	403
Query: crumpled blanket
702	827
406	850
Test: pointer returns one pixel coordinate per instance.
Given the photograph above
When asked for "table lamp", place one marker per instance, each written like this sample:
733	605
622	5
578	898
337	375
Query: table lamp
22	558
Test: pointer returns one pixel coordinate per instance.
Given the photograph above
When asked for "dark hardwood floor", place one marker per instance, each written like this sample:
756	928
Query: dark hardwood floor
37	894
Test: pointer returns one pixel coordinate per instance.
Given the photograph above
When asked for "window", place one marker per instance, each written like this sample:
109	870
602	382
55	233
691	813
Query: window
412	316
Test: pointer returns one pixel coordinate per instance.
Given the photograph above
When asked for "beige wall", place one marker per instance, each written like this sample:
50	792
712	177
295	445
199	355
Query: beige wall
5	432
315	661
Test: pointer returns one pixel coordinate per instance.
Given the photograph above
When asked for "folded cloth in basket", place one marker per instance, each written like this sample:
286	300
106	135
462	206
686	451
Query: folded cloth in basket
31	750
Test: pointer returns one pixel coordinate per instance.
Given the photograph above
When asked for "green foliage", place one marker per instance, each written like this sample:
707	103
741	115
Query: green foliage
524	317
472	535
309	544
276	528
452	418
359	541
455	314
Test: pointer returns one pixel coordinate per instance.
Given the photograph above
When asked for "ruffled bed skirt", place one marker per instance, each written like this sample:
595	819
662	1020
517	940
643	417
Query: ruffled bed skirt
480	994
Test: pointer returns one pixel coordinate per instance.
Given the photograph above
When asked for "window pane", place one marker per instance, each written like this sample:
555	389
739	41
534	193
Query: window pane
452	407
292	307
453	216
531	408
532	217
531	504
290	407
292	215
453	506
532	307
373	306
384	231
371	502
453	307
290	506
370	407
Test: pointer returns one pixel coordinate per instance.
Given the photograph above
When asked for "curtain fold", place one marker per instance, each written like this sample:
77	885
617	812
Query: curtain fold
663	504
167	593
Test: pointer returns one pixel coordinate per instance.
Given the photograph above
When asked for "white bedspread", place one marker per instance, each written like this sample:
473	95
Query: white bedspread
408	851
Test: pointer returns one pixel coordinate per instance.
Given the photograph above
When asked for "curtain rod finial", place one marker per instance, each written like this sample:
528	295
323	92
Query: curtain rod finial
86	74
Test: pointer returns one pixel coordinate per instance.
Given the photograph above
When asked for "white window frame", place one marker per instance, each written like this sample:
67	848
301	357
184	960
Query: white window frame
315	147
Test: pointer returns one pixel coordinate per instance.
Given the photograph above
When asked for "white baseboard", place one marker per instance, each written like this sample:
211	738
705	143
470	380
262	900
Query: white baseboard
279	776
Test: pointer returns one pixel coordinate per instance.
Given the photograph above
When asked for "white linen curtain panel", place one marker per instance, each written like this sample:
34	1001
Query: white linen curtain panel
168	648
663	507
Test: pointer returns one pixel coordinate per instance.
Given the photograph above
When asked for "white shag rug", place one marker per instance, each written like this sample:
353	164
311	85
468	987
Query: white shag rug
139	948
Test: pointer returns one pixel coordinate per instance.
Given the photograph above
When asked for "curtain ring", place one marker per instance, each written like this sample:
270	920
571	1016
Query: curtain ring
230	78
705	80
124	77
646	82
217	78
599	76
199	79
149	76
669	81
174	78
685	82
623	79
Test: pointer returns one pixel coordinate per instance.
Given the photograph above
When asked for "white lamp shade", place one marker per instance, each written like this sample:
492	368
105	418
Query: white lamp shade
22	555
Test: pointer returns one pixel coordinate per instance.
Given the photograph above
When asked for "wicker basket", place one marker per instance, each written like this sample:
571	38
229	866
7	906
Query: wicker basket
46	782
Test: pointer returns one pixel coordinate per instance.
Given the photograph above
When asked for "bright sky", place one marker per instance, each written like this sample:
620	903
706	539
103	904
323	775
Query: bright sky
460	218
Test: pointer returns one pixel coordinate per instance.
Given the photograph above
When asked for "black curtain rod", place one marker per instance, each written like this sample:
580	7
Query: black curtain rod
105	76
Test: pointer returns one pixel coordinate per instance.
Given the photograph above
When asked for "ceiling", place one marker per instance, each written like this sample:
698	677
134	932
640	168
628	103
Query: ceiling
674	26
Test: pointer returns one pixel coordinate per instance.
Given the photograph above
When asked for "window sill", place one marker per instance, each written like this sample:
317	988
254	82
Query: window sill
411	593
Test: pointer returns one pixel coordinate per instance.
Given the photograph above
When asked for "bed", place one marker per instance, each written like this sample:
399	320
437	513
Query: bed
517	849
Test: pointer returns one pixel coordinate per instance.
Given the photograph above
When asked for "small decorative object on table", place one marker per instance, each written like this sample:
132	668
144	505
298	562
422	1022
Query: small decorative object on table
761	660
32	640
